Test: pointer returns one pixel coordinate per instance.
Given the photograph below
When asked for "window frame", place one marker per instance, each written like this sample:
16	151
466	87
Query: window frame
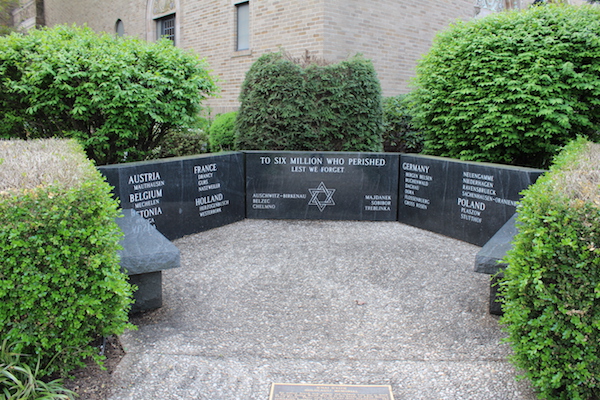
119	27
160	27
242	39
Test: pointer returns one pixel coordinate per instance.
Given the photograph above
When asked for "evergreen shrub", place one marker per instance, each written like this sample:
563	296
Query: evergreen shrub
399	132
512	87
118	96
222	132
551	287
182	142
288	106
61	286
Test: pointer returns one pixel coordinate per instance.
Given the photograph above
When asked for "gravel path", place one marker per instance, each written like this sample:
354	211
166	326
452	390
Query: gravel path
333	302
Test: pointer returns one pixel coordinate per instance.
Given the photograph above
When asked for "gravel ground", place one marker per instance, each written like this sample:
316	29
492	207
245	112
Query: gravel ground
334	302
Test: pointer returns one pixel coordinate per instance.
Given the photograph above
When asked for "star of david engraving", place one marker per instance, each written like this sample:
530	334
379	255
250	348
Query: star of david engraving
316	201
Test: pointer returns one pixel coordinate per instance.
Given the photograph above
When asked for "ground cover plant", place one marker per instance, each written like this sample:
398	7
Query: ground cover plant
512	87
61	286
118	96
551	287
19	381
290	105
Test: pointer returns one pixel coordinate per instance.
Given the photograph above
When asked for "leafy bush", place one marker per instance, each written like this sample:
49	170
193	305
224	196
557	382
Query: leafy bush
551	287
118	96
182	143
222	132
512	87
19	381
399	132
60	285
317	108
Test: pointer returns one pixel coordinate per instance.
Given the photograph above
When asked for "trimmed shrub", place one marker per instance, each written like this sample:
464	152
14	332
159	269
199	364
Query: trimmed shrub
222	132
285	106
512	87
551	287
399	132
118	96
182	143
61	286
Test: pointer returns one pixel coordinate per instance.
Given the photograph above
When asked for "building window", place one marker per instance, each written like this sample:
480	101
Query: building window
165	27
119	28
243	26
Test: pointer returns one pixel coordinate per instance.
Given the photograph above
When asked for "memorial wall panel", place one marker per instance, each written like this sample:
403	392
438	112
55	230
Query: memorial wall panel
469	201
182	195
320	185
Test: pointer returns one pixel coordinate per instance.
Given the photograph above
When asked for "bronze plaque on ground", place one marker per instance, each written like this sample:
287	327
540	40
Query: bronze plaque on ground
293	391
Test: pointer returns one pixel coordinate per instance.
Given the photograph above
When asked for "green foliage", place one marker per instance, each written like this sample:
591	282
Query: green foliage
118	96
222	132
318	108
61	286
551	287
399	132
19	382
182	143
512	87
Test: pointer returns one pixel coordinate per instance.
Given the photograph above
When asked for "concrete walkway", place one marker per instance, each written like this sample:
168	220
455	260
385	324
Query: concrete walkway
331	302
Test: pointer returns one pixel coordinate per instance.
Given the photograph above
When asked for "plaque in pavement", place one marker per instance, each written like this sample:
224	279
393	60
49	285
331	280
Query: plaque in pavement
468	201
291	391
330	186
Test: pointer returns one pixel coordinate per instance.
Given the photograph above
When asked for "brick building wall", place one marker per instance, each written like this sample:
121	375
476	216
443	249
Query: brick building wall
209	30
99	15
395	34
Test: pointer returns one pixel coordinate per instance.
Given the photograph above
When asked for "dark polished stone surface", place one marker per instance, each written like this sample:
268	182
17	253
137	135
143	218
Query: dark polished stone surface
321	185
464	200
182	195
145	249
495	306
148	296
145	253
489	259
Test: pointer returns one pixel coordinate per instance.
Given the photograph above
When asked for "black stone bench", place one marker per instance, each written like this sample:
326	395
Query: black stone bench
489	259
146	252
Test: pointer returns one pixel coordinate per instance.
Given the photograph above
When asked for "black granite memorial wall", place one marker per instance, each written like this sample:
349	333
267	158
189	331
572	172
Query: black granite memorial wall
469	201
312	185
182	195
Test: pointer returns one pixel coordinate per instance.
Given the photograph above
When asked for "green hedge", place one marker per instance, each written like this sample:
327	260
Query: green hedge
512	87
60	285
551	287
285	106
399	131
182	142
118	96
222	132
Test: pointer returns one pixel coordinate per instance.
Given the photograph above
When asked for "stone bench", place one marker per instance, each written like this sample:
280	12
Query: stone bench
146	252
489	259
